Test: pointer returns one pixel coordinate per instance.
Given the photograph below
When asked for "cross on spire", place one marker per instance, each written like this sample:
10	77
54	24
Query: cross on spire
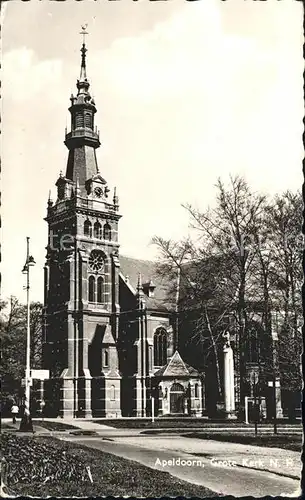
83	75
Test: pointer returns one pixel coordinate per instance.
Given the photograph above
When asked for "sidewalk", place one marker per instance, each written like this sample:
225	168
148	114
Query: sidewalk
79	423
76	424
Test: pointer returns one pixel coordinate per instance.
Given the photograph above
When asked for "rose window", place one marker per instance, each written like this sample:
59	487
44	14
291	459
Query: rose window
96	261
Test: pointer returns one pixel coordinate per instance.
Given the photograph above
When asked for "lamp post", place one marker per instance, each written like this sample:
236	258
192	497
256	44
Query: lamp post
253	370
274	368
26	421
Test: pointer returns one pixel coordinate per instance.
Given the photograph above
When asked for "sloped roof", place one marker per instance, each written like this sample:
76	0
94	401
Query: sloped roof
130	268
176	368
108	337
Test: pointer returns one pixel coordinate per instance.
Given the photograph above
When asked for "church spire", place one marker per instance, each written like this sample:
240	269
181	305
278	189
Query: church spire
83	138
82	83
83	74
83	50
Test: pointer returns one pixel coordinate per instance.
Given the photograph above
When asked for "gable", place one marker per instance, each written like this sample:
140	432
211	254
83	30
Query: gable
176	367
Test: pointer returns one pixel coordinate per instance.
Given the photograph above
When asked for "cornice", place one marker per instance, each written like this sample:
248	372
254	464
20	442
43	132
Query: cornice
97	213
67	212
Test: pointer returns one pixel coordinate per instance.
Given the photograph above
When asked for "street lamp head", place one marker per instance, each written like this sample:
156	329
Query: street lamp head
25	269
31	261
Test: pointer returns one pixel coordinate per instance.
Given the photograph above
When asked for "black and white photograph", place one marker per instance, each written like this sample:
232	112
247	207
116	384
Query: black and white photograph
151	282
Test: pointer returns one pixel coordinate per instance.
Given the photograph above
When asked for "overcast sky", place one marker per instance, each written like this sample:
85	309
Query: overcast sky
185	91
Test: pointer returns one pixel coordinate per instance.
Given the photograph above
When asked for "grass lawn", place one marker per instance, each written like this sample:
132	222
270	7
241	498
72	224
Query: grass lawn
287	441
158	423
44	466
187	423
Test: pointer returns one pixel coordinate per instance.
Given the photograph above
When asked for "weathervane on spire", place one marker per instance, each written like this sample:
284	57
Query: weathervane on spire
83	50
84	32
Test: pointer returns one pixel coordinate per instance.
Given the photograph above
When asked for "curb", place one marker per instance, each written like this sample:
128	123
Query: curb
283	474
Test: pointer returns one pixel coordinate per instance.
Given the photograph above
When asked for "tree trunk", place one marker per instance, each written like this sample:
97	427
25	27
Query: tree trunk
215	353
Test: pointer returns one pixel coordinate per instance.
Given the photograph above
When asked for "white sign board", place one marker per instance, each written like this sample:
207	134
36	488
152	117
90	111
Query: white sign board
277	383
40	374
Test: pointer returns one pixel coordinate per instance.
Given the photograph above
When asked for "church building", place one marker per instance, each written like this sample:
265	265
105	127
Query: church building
110	332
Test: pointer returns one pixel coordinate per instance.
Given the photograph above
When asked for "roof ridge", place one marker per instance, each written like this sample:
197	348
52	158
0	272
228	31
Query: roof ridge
137	259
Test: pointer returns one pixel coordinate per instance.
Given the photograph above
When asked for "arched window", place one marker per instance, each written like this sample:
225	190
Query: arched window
88	229
88	120
97	230
160	347
196	391
91	289
106	357
79	120
96	267
100	290
107	231
177	388
112	393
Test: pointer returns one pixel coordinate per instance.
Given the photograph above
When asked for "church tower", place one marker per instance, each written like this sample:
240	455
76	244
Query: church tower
81	307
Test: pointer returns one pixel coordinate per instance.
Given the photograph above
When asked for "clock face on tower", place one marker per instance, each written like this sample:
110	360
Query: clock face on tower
98	192
96	261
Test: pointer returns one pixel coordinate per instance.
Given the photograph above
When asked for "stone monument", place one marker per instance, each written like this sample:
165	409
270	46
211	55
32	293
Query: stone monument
229	389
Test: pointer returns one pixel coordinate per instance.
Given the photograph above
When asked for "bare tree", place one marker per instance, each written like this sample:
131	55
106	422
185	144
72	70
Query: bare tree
228	230
286	278
192	287
244	263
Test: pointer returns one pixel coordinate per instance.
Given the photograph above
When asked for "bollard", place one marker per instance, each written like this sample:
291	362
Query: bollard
153	409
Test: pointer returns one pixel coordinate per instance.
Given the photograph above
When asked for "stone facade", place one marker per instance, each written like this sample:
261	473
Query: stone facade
107	327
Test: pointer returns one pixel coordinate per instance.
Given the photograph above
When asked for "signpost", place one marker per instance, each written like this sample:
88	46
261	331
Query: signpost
274	384
40	374
42	405
246	410
24	382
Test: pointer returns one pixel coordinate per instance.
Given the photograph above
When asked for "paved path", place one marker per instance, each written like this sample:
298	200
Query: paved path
84	424
284	462
203	462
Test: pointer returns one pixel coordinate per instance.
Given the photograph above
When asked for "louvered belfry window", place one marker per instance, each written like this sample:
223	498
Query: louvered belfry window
97	230
88	121
79	120
88	229
107	232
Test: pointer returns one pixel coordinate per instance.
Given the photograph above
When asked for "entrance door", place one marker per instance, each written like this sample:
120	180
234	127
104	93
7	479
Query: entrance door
177	399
